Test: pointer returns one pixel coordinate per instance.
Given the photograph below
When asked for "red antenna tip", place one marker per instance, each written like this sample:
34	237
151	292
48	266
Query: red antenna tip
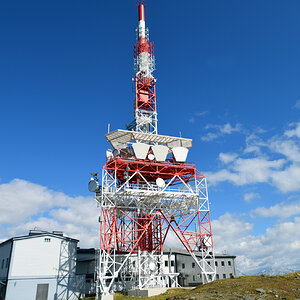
141	11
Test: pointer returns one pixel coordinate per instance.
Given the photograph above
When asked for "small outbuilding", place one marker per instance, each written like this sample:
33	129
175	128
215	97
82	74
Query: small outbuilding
41	266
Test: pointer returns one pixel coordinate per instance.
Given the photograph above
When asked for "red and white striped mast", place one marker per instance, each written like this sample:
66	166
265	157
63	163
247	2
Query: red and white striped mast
144	62
147	190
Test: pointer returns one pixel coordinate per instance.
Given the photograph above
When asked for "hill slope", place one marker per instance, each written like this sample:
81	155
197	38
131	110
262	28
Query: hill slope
247	287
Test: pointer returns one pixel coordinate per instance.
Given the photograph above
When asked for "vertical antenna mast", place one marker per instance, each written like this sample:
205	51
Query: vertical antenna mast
144	64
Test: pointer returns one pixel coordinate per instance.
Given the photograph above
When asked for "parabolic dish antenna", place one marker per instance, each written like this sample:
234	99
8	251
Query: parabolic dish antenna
152	266
160	182
151	156
93	186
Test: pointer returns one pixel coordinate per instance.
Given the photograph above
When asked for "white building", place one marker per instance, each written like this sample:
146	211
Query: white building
39	266
177	264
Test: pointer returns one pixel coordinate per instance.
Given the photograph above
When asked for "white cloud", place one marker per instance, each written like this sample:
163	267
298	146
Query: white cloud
219	131
20	199
278	246
25	205
297	104
192	119
247	171
274	161
295	132
254	144
209	137
288	148
281	210
227	157
201	113
228	129
248	197
287	180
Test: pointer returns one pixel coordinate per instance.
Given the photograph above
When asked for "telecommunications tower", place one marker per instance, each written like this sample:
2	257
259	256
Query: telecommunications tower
148	190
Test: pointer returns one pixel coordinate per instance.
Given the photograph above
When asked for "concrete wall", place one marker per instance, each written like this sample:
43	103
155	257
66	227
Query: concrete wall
190	271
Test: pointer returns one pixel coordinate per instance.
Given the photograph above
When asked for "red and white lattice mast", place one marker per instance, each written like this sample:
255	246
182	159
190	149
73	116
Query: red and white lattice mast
147	190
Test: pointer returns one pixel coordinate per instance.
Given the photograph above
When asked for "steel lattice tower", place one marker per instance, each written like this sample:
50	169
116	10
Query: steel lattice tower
148	189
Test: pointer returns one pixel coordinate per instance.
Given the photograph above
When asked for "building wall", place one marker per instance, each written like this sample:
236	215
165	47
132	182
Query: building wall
85	265
35	256
225	267
5	250
27	289
43	260
190	274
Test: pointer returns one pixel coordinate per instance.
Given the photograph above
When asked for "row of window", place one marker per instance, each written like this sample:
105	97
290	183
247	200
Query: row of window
224	276
6	264
216	264
217	276
223	263
167	263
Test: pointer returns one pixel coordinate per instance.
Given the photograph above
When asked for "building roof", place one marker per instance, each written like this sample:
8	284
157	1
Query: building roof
38	233
184	252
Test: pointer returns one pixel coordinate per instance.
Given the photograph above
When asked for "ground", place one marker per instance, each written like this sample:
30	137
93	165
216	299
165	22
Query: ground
246	287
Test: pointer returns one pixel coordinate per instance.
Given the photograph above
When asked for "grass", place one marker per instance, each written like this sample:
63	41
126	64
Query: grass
246	287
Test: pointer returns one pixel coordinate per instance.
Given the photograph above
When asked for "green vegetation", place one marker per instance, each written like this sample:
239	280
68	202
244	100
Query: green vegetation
246	287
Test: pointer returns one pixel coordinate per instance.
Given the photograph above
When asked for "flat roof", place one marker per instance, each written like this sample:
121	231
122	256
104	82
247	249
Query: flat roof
120	138
39	234
185	252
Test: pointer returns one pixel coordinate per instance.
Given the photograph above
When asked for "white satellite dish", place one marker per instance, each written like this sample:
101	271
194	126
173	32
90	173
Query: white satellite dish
152	266
151	156
160	182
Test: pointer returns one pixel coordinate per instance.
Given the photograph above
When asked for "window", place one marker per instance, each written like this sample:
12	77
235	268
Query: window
47	240
183	266
193	265
224	275
166	263
217	276
222	263
208	262
229	263
210	277
230	275
6	266
172	263
216	263
2	265
194	278
133	263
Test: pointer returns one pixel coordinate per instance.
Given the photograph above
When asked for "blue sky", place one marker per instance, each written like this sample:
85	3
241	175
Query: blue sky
228	77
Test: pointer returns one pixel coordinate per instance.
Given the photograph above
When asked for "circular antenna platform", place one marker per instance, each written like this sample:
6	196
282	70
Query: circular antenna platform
151	156
160	182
